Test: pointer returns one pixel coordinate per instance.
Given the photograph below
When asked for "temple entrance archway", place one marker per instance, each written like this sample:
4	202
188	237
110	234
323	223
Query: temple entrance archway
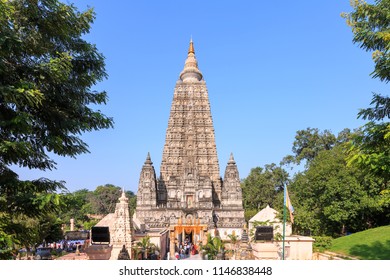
191	230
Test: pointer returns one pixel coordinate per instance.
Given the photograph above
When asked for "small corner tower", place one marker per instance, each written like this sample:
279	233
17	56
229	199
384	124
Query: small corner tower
121	234
146	195
232	193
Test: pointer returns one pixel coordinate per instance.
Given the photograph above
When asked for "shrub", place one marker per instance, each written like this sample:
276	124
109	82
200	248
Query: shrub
322	243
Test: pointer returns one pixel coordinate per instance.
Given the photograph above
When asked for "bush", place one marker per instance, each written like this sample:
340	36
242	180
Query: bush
322	243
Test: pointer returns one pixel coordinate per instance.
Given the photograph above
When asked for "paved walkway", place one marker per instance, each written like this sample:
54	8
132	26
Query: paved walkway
83	256
193	258
74	256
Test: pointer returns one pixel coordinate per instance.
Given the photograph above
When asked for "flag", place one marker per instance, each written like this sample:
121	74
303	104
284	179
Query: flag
289	206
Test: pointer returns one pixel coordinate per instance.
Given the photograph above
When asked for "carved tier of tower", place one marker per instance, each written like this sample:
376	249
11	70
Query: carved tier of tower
190	185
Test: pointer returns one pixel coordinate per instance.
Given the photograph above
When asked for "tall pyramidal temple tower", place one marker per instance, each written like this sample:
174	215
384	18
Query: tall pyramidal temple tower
190	193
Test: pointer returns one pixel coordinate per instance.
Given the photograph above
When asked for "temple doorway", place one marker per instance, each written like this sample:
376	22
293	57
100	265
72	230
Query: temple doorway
189	237
190	232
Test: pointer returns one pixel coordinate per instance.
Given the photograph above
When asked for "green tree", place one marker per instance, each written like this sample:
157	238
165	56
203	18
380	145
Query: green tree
32	231
370	150
47	71
132	202
261	186
330	197
308	143
104	198
77	207
370	27
6	245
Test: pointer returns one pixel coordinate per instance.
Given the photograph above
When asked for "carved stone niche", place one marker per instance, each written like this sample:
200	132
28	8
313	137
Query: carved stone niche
172	194
172	219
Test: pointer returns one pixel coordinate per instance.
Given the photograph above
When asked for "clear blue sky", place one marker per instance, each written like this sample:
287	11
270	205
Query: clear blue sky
271	68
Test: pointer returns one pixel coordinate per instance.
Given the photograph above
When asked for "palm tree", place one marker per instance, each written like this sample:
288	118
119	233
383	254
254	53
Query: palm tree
136	251
213	246
233	240
146	246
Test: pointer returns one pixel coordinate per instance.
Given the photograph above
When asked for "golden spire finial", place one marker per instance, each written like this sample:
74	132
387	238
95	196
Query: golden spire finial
191	48
191	71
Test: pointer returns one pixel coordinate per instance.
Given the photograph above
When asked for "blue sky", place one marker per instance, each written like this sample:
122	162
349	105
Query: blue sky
271	68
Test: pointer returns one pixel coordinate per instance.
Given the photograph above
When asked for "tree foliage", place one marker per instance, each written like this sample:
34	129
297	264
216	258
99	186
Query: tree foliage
309	142
213	246
331	197
104	198
47	71
261	186
77	207
380	111
370	26
145	246
83	204
328	195
370	150
46	76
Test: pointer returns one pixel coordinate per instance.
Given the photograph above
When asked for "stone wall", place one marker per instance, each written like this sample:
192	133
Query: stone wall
325	256
296	248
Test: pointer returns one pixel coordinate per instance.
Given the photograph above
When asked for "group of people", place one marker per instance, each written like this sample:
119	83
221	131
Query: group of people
185	249
66	245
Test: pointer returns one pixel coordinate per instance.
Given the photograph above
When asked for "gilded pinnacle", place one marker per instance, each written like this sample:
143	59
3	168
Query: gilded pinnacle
191	48
191	72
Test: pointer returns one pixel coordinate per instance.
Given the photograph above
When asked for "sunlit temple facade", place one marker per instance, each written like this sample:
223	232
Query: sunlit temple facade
189	197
